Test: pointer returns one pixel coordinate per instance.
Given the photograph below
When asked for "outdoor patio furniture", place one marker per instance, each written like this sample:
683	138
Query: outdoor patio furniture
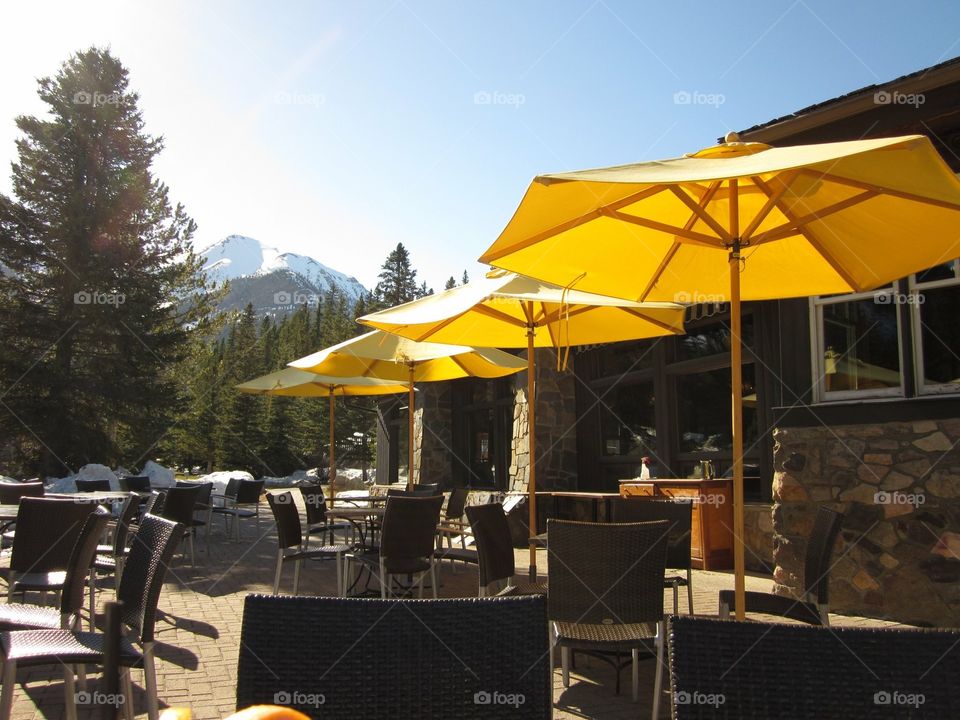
315	502
495	552
720	668
47	530
679	514
23	616
451	525
92	485
11	492
813	606
178	507
406	542
606	593
426	489
139	592
110	559
344	659
240	500
135	483
203	508
290	543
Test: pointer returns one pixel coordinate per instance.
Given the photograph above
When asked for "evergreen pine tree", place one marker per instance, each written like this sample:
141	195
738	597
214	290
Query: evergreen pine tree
398	279
465	279
450	284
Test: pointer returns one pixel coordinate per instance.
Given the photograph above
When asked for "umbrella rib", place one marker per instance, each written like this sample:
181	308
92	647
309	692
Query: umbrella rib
881	189
490	256
700	212
786	230
690	236
659	323
771	203
811	238
497	315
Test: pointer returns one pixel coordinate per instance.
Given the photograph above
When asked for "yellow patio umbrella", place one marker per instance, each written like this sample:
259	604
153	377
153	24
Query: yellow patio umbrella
297	383
507	310
390	357
740	221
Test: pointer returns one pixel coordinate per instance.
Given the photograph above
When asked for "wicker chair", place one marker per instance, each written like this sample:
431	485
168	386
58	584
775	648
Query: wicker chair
110	558
241	499
179	507
729	669
20	616
814	605
406	542
204	508
291	543
315	502
495	552
47	530
343	659
140	586
680	516
426	489
135	483
11	492
92	485
606	592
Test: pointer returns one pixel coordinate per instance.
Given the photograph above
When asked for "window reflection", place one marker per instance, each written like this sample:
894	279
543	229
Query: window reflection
627	421
861	345
705	419
712	339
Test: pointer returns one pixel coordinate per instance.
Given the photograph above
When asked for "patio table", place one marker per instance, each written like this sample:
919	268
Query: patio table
358	517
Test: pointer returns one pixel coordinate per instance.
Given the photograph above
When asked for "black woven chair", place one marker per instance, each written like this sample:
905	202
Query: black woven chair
202	510
140	586
344	659
11	492
47	530
723	669
110	558
135	483
21	616
606	593
679	514
814	605
290	543
92	485
426	489
240	500
315	502
495	552
406	542
178	507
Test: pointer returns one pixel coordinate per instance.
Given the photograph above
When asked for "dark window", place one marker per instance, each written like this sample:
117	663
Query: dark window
482	432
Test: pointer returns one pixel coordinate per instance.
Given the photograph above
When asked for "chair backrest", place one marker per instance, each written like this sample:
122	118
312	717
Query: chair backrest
81	557
494	544
128	513
204	495
231	488
720	668
135	483
678	513
602	573
47	530
92	485
337	657
410	526
154	503
249	492
426	489
150	552
287	517
456	504
315	502
11	492
180	503
816	566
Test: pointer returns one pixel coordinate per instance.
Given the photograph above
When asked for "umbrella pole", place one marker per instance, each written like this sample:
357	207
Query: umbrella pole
410	412
531	449
333	463
736	393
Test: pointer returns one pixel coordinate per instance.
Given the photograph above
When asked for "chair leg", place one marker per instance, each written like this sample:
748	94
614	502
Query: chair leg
296	576
658	678
423	576
69	692
433	578
150	681
92	584
383	581
193	555
338	559
6	693
276	576
689	592
635	670
676	592
127	695
565	666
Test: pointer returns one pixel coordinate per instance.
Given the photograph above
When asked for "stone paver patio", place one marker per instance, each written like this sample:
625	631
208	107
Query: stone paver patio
198	633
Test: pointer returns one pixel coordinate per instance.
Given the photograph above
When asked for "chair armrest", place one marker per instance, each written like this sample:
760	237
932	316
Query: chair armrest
770	604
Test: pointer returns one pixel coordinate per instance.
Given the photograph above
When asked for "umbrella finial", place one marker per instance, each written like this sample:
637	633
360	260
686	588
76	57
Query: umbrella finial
731	137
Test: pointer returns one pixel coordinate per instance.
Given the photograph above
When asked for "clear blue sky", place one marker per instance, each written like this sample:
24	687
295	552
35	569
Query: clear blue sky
337	129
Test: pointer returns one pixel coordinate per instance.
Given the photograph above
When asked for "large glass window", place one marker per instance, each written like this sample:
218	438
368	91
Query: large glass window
857	345
627	421
483	432
704	416
935	308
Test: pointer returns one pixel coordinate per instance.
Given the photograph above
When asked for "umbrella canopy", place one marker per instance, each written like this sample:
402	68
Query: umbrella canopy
740	221
393	358
508	310
297	383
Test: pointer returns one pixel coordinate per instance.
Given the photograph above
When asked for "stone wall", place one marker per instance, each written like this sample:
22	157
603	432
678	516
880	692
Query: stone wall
433	452
758	534
899	485
556	421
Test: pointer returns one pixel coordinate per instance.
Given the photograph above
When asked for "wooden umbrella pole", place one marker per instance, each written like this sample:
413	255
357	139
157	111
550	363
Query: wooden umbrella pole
531	449
333	463
410	411
736	398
